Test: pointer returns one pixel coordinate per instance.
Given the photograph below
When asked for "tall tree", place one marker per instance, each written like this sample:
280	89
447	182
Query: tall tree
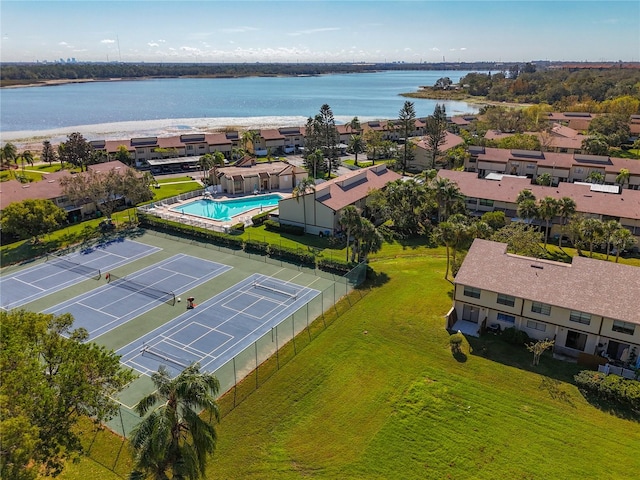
547	209
354	126
104	189
566	209
8	154
324	127
374	143
314	163
26	157
367	239
436	132
527	210
32	218
51	378
446	194
520	239
76	151
205	162
356	146
249	139
591	230
621	240
609	229
122	155
623	177
306	185
48	153
173	438
407	124
349	220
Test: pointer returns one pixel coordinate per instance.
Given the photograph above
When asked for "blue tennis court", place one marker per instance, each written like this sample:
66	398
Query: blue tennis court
57	273
121	300
218	329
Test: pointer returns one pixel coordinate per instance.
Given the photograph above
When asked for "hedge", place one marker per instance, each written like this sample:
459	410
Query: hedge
294	254
610	387
339	267
274	226
260	218
256	246
514	336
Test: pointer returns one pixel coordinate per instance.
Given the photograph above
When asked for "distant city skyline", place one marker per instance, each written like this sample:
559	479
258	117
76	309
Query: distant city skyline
215	31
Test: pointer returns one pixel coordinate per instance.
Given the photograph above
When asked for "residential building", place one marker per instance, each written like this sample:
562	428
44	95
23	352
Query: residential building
563	167
499	192
423	153
319	210
584	306
51	189
251	177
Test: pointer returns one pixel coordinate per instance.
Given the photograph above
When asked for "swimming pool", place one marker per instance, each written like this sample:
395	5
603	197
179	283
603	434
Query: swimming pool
224	210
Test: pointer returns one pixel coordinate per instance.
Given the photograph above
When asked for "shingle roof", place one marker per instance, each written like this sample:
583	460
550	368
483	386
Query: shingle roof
353	186
623	205
587	285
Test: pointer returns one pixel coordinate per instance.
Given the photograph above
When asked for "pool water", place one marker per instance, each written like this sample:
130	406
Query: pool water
224	210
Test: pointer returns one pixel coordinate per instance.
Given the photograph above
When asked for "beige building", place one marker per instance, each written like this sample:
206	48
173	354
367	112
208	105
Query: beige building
50	189
423	154
251	177
579	305
319	211
499	192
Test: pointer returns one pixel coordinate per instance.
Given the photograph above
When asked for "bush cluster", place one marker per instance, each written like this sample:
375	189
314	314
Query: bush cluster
260	218
298	256
613	388
515	336
274	226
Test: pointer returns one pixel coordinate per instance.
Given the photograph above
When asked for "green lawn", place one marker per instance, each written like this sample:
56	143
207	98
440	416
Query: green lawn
379	395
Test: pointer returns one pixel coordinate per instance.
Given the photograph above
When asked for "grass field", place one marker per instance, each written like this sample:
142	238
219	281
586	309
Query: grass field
379	395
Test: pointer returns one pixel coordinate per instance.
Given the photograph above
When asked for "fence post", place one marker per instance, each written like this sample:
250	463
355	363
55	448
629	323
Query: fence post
256	349
235	383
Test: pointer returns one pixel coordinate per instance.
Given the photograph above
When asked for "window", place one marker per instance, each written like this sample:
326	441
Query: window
541	308
507	300
503	317
623	327
471	292
486	203
536	325
580	317
576	340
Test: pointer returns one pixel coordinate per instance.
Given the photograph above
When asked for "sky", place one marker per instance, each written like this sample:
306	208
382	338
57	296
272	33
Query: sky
238	31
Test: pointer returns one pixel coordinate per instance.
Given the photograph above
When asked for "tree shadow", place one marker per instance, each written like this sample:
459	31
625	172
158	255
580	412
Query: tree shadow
460	356
554	388
612	408
375	279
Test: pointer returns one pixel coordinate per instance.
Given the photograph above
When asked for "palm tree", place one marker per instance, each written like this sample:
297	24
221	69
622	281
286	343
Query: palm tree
446	193
25	157
368	239
48	152
305	186
205	162
349	221
8	154
525	195
608	230
218	161
623	177
528	210
566	209
356	145
452	234
173	440
595	177
249	138
591	231
547	210
544	179
622	239
354	125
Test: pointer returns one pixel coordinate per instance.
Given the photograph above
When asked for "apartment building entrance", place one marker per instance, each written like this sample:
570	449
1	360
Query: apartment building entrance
576	340
470	313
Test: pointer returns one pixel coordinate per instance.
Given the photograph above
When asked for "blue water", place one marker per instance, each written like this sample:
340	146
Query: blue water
366	95
224	210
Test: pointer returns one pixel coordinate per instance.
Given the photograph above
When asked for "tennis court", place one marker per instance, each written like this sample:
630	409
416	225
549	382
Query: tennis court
58	273
115	303
220	328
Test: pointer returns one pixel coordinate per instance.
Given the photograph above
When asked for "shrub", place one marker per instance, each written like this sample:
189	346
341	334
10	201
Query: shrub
256	246
238	227
274	226
294	255
514	336
260	218
338	267
613	388
455	341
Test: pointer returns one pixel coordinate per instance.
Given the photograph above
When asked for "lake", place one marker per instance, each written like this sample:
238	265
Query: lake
120	109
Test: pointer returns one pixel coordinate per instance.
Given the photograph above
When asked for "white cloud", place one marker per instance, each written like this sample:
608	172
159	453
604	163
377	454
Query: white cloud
407	49
107	41
434	49
463	48
311	31
153	44
238	29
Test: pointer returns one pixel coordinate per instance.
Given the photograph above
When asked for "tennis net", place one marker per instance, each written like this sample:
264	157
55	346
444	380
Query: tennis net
83	270
133	286
164	356
279	291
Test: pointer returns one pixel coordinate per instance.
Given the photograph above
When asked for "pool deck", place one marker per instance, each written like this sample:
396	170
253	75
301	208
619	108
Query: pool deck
167	212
